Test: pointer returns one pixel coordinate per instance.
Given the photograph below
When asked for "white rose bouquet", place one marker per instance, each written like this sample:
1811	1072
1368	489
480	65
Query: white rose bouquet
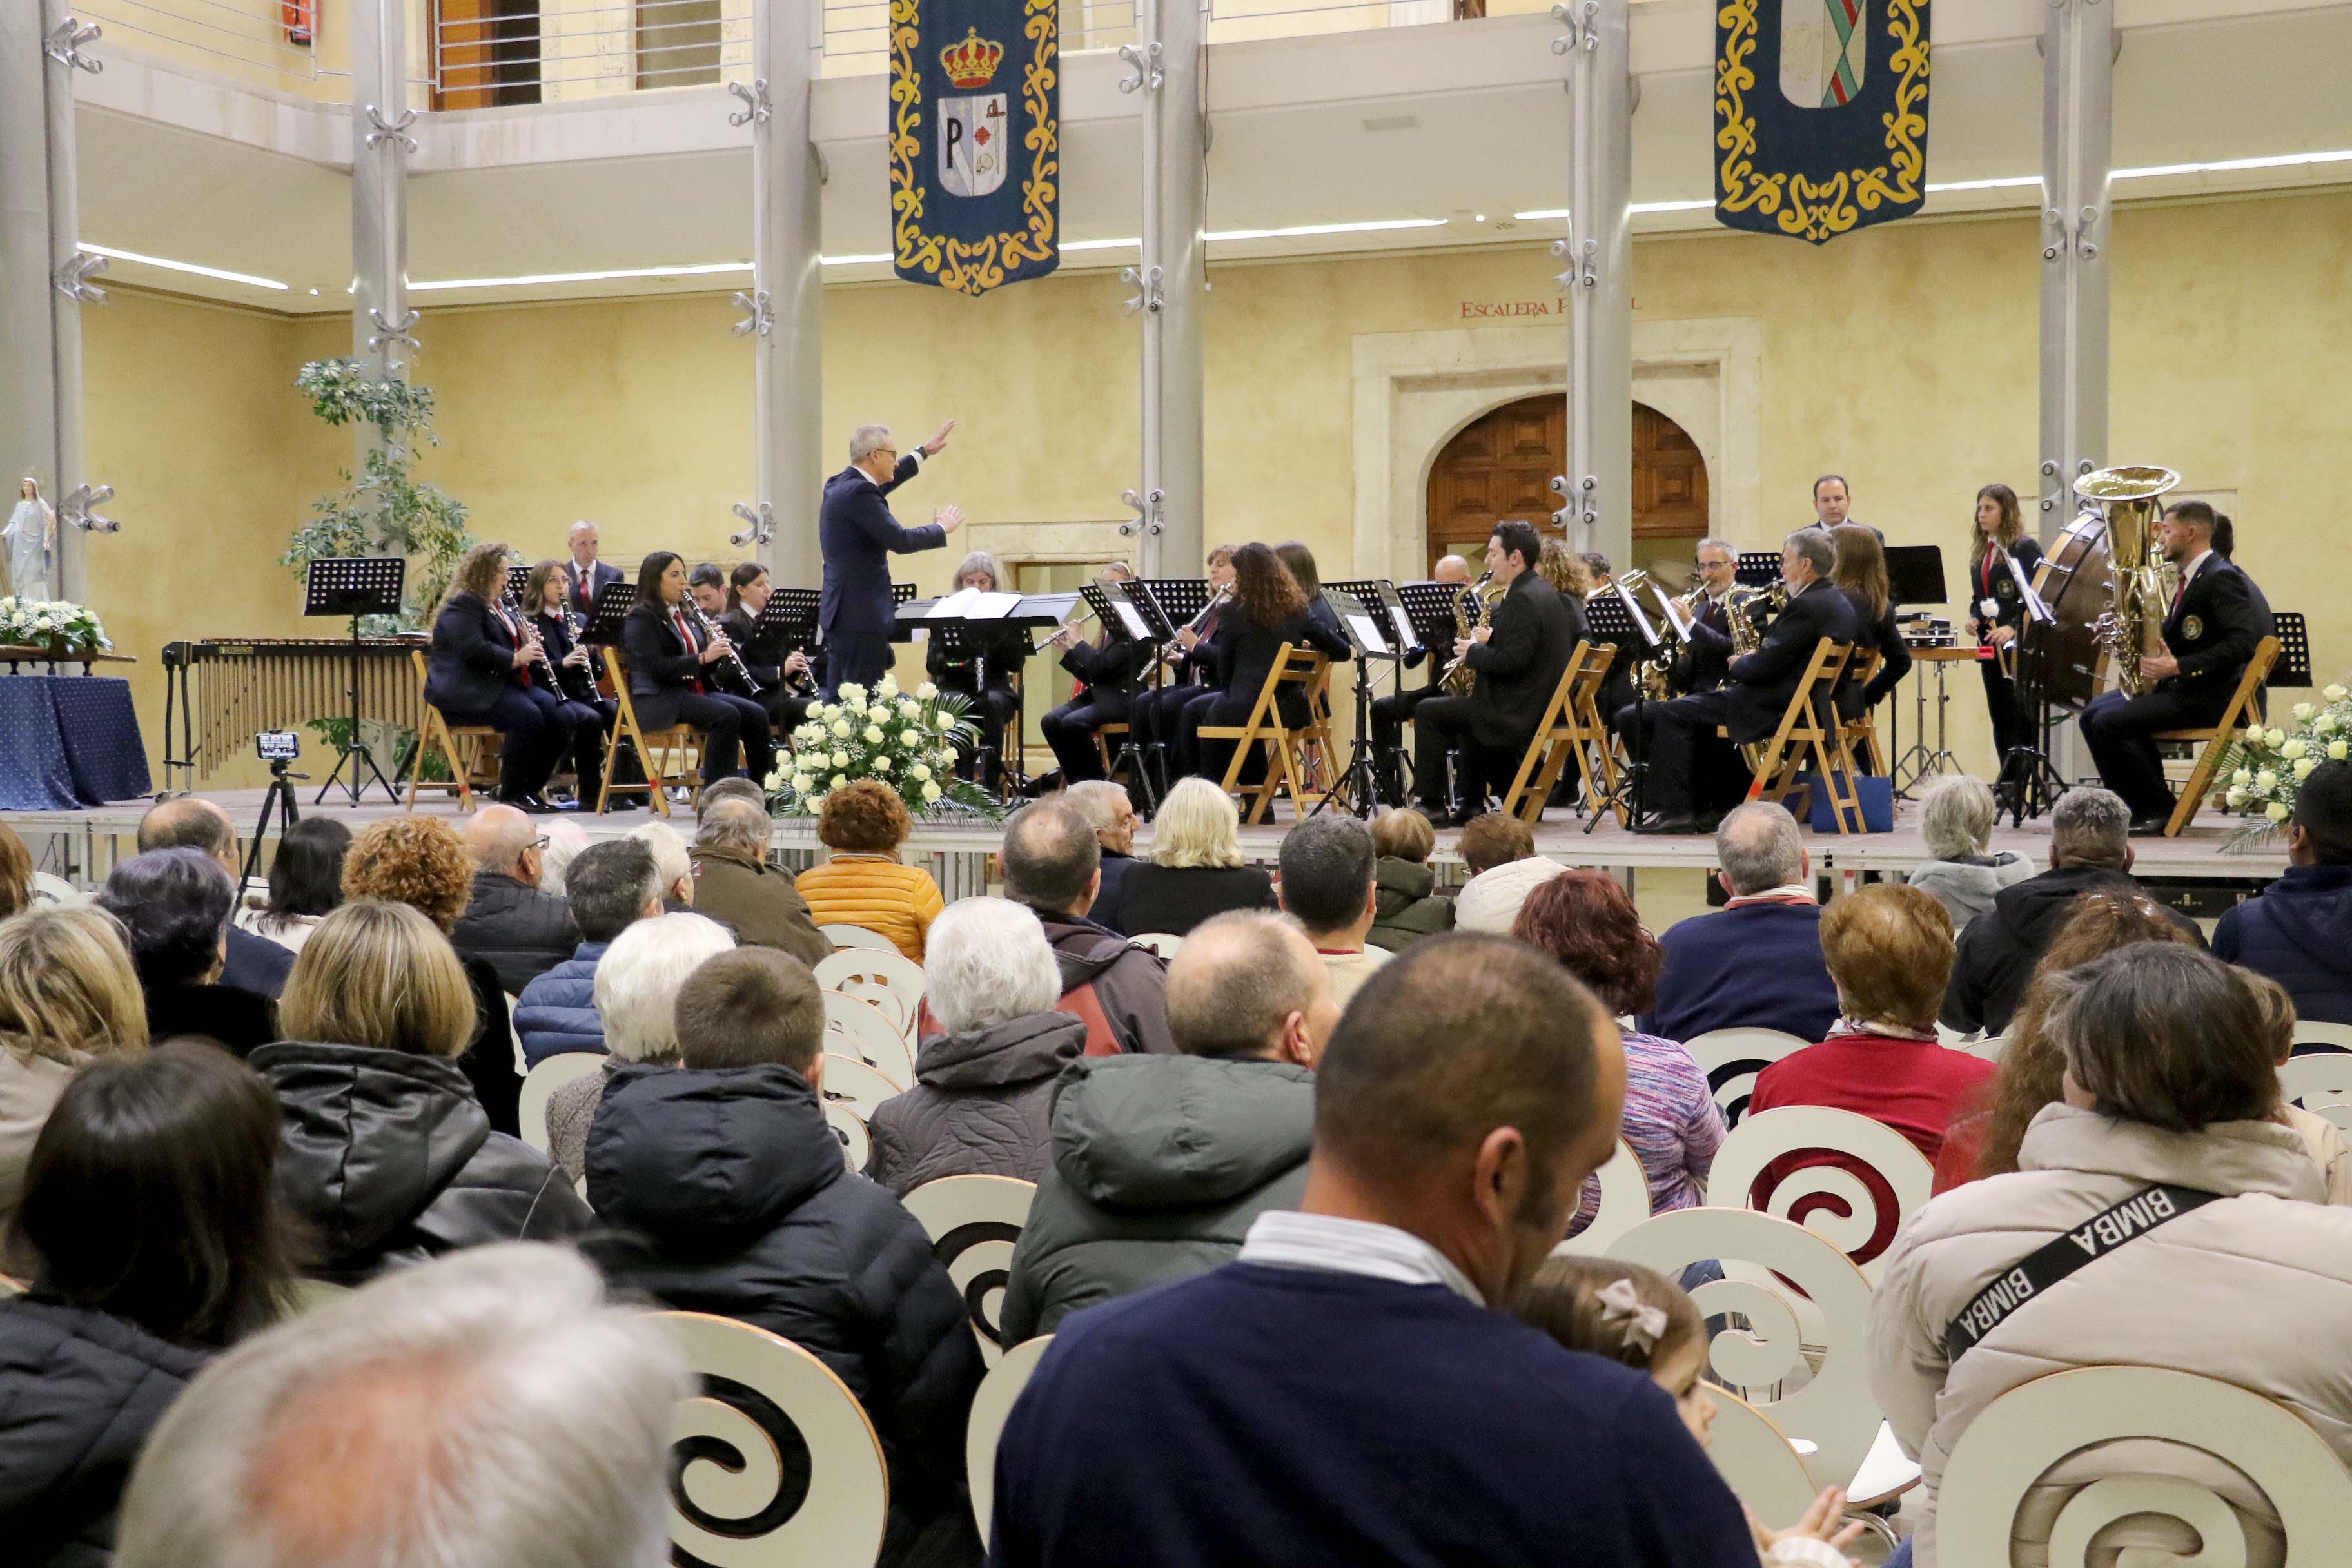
905	741
50	623
2267	765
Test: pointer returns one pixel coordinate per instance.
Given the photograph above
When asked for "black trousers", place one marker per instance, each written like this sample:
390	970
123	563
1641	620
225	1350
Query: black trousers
1678	740
539	727
1152	716
1390	714
1443	724
860	659
992	711
1070	730
2120	731
2009	726
729	723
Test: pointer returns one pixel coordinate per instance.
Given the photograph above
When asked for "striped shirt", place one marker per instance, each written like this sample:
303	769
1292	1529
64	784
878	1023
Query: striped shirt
1672	1122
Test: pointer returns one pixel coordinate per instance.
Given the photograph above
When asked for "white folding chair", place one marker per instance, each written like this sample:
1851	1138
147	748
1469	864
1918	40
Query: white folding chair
856	1028
1159	942
1758	1462
886	979
857	1140
2002	1459
1732	1057
734	1473
539	1085
1992	1050
57	892
844	935
1771	1136
514	1037
973	1223
2321	1082
2309	1035
849	1081
991	1403
1625	1204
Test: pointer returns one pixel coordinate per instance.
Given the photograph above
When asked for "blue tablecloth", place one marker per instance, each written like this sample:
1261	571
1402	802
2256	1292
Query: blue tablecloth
68	741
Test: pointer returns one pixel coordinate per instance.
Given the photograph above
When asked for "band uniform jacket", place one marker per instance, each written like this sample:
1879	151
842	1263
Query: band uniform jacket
1991	578
1707	652
1195	666
2213	630
763	654
1883	637
1535	633
662	669
858	536
1761	683
1113	674
1245	652
471	659
585	589
579	685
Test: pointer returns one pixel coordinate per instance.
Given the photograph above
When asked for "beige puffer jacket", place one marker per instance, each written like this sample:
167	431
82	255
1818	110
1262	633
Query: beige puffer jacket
2255	1290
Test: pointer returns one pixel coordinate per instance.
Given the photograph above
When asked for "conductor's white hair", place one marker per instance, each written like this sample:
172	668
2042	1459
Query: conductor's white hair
490	1407
865	439
639	977
985	961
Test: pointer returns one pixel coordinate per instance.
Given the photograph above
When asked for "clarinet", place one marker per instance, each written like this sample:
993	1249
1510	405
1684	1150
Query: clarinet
734	657
545	666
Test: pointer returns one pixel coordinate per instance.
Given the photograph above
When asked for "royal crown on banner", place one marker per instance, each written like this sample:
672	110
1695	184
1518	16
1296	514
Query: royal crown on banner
975	142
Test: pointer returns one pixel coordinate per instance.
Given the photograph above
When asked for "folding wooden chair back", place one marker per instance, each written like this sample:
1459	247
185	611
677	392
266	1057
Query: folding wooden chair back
469	748
1297	667
1809	728
1572	727
1861	731
2217	740
663	753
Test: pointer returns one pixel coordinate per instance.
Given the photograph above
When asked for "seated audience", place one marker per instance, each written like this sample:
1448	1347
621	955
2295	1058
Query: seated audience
565	840
331	1438
306	882
68	996
734	884
174	906
16	873
1329	886
255	963
735	787
1757	962
390	1158
1586	920
861	883
1112	816
508	923
1052	864
1499	851
672	860
1962	870
611	886
2168	1081
1196	869
636	984
1410	906
978	1106
2320	1139
2090	850
726	1188
1358	1332
1160	1162
152	1210
2298	930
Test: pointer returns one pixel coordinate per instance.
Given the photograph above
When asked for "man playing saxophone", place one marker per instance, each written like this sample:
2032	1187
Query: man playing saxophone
2216	617
1390	714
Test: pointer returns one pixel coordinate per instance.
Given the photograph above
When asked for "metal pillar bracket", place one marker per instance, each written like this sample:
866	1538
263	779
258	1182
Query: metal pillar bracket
760	312
1583	265
65	41
1147	282
390	332
1144	60
79	508
380	130
1578	20
1148	508
763	525
757	106
72	280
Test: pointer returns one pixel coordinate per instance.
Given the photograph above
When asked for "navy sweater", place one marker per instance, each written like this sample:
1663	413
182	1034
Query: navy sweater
1758	966
1264	1415
2298	932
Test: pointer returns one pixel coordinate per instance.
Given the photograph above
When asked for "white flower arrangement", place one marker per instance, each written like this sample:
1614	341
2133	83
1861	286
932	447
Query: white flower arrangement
50	623
2267	766
907	742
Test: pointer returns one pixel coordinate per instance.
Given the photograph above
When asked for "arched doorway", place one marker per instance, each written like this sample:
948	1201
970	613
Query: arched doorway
1501	465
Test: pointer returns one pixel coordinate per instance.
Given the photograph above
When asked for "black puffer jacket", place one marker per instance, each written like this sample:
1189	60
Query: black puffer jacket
978	1107
2000	948
391	1160
79	1391
522	932
728	1195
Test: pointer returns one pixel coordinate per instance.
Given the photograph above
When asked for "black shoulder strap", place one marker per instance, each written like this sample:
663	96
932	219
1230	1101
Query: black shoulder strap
2034	1274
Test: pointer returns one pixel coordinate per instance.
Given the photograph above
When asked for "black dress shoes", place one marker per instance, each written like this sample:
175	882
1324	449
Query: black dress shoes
2150	827
1664	827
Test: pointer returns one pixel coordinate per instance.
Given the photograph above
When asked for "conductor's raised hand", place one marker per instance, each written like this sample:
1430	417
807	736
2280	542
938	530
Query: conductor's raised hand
948	518
939	439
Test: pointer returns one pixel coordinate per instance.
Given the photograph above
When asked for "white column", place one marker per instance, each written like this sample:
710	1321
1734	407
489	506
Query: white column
1597	489
2078	58
382	326
1169	279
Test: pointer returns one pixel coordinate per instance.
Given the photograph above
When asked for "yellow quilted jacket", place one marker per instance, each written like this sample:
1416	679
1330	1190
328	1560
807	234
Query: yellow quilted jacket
877	892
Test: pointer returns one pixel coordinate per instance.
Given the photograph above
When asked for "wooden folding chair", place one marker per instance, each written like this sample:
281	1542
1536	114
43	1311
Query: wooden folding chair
1572	720
1861	732
1810	724
672	745
466	748
1300	666
2244	702
1319	756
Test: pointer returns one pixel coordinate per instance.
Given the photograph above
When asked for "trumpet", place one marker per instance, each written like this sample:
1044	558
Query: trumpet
734	657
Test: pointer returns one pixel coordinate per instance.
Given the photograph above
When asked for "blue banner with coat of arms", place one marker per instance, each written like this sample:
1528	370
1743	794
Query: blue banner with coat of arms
1821	114
975	142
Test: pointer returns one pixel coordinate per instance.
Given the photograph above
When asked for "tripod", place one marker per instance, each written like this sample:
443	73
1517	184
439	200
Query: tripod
1627	791
2029	783
279	798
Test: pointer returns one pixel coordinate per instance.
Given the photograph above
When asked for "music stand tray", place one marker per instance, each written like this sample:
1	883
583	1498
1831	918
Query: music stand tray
350	586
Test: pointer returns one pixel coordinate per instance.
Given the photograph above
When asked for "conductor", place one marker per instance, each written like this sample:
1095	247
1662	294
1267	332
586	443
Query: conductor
858	536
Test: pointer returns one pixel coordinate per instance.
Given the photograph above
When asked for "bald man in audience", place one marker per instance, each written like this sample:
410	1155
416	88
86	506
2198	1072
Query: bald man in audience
1392	714
517	930
255	963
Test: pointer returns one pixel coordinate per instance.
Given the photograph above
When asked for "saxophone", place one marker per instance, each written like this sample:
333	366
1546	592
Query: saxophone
2141	583
1747	632
1459	678
1656	673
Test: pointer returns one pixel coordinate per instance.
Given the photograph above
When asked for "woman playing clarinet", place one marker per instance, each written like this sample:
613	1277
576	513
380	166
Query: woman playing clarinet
675	654
547	599
485	666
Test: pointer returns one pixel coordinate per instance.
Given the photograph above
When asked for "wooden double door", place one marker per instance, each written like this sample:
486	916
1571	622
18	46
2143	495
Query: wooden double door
1500	465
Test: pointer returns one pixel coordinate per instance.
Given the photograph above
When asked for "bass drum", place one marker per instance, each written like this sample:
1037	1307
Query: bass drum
2063	657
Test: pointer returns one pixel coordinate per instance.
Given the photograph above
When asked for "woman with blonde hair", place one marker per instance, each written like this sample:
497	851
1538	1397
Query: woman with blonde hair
68	996
1565	570
1197	869
861	883
1005	648
389	1156
1961	870
16	873
477	672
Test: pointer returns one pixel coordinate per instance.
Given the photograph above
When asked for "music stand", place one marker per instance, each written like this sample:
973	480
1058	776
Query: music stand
1915	574
1429	608
353	586
1129	617
790	618
1369	639
2027	776
1613	617
1757	568
1180	601
611	606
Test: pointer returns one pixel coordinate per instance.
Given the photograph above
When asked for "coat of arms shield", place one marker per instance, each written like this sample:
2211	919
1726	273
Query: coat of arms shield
972	151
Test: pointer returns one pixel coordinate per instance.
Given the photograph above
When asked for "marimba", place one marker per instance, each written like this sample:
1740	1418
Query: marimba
246	685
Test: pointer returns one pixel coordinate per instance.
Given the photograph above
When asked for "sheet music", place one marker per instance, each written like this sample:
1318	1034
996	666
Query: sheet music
1132	619
953	606
1640	622
2035	607
1673	612
1368	632
1403	623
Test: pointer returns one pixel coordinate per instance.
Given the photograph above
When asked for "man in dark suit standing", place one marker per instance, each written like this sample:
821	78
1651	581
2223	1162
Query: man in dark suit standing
1518	657
858	536
588	574
2217	617
1756	688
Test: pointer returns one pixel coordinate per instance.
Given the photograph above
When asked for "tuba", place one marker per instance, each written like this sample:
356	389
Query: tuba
1459	678
2138	586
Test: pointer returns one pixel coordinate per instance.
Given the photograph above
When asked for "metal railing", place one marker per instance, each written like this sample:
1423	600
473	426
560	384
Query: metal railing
250	38
856	36
557	51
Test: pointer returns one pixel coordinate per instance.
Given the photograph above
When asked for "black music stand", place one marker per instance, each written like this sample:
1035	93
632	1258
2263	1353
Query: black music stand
961	639
2028	778
1757	568
789	616
1915	574
1180	601
351	586
1130	617
1361	615
611	606
1609	618
1429	608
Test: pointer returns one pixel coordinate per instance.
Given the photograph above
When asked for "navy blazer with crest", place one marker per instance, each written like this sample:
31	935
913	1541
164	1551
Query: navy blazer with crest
661	668
470	660
858	536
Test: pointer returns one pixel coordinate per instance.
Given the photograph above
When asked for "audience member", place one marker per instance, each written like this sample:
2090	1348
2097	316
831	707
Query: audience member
1586	920
1112	816
306	882
565	839
255	963
487	1408
508	923
1410	906
174	905
861	883
1052	864
389	1156
1500	852
2090	850
978	1106
68	996
672	860
735	787
611	885
1330	886
1160	1163
1757	962
1196	869
1446	1164
2298	930
636	987
725	1187
152	1210
2169	1082
2320	1139
16	873
734	884
1962	870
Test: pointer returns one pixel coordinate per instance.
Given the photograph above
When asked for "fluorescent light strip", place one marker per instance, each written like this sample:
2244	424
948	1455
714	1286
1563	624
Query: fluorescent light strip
170	265
702	269
1302	230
